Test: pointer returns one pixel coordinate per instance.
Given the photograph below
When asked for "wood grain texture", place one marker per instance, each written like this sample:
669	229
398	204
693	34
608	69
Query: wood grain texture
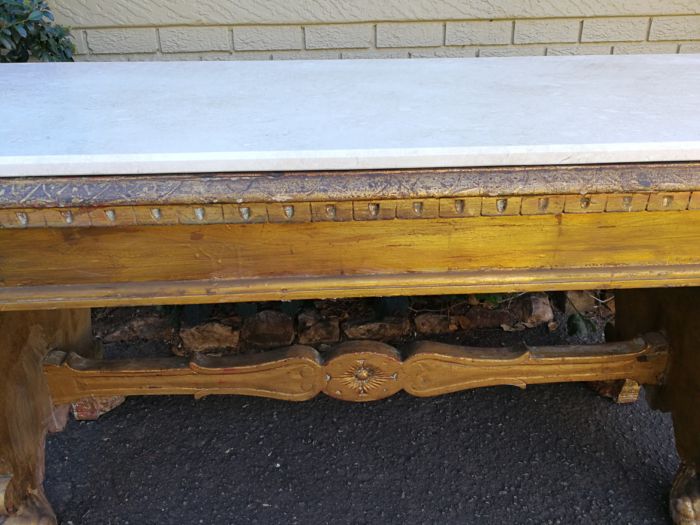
25	405
437	368
677	312
356	370
292	374
285	289
223	262
210	188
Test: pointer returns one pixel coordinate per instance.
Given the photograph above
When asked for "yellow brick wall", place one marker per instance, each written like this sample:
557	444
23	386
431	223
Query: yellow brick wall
283	29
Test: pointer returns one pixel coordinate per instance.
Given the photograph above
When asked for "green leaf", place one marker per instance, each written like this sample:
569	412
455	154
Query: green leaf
579	325
491	299
26	32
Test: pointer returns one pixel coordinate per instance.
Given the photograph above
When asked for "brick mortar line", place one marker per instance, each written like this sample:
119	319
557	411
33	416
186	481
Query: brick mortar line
421	21
408	49
373	45
580	31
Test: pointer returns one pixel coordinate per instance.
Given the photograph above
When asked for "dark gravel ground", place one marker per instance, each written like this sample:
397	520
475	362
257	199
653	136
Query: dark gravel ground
548	454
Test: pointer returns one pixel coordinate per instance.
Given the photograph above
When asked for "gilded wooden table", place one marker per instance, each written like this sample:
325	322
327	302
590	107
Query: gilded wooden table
176	183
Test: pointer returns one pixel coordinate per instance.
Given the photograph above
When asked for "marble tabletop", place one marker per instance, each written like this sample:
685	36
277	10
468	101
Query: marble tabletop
176	117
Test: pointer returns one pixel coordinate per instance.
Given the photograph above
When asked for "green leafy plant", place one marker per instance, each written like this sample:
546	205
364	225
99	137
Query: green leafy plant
27	31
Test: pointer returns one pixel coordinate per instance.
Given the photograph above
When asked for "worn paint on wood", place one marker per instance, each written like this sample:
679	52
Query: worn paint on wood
356	370
315	186
159	264
25	405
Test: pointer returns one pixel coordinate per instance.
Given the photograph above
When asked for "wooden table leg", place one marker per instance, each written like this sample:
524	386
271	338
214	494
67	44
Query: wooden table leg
677	311
26	409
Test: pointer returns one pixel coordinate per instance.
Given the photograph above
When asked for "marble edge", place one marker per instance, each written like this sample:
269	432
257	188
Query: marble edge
496	156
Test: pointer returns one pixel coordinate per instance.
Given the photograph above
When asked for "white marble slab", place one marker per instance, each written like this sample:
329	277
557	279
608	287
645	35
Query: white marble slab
129	118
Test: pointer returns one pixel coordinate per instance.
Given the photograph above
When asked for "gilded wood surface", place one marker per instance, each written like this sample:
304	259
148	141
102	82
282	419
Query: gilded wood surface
97	241
25	406
274	289
344	211
182	253
436	368
356	371
41	268
209	188
293	374
676	311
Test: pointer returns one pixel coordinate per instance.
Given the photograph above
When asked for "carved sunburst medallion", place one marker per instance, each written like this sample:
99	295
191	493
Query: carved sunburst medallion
363	371
364	378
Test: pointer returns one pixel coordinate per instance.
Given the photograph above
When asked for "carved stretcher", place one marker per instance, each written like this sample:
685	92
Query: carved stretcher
200	182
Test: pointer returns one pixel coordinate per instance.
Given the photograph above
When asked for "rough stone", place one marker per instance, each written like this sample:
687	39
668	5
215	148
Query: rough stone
91	408
530	311
621	391
435	324
316	329
345	309
212	335
267	329
137	326
387	329
536	310
479	317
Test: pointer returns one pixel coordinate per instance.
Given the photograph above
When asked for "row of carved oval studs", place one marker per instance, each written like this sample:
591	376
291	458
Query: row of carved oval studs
348	210
373	209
